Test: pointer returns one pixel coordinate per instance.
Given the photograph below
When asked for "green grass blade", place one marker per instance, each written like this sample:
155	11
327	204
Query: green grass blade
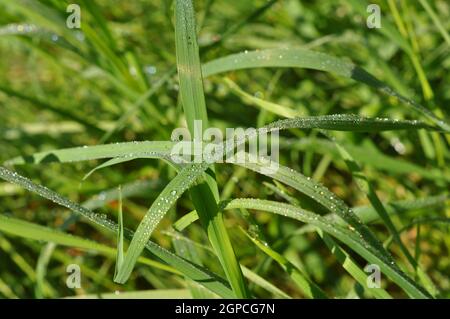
200	275
339	253
187	250
300	58
366	186
265	105
309	288
249	274
161	149
348	237
119	257
204	196
327	199
263	283
33	231
437	22
352	267
183	181
142	294
85	153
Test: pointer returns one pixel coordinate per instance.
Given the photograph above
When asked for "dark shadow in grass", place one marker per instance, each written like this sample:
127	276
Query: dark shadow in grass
48	158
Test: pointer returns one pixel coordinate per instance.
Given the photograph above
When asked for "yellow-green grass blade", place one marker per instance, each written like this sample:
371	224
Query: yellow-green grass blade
352	267
264	105
248	273
205	195
309	288
141	294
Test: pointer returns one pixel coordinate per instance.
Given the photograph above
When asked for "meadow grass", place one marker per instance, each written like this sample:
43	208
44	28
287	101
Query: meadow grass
364	149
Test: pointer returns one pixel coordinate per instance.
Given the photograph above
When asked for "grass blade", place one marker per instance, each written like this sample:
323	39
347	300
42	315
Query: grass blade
204	196
196	273
309	288
348	237
300	58
183	181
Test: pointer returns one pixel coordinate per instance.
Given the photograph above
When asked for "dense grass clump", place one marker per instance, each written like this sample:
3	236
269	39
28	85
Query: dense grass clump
90	184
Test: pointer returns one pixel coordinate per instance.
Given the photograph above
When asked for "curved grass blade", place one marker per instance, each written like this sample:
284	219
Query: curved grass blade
249	274
142	294
309	288
339	253
327	199
85	153
160	149
348	122
33	231
366	186
348	237
300	58
196	273
176	187
352	267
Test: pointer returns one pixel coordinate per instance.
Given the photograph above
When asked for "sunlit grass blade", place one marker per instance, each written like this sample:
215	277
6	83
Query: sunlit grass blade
119	257
309	288
204	196
300	58
142	294
200	275
352	267
85	153
161	149
366	186
176	187
347	236
24	229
